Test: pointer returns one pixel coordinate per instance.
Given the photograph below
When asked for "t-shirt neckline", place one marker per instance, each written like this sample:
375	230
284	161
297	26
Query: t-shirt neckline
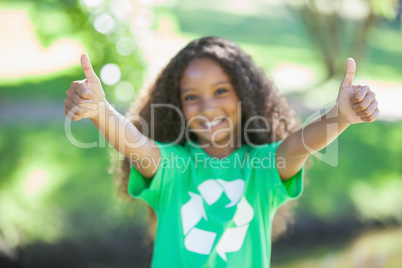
196	148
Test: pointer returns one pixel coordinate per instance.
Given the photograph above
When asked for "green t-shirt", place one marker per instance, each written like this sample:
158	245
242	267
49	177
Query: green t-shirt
214	212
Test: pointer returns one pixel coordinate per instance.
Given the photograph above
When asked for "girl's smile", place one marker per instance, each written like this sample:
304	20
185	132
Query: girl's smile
214	124
210	104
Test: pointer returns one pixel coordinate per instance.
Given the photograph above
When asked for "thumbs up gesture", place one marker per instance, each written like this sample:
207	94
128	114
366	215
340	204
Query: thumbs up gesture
356	103
84	97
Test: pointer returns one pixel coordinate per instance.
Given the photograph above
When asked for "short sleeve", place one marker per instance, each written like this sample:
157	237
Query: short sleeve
284	191
151	190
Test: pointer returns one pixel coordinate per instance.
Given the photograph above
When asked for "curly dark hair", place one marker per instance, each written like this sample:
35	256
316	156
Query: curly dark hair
257	94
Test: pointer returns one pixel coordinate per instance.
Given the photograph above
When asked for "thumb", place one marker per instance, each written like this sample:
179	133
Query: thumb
88	70
350	73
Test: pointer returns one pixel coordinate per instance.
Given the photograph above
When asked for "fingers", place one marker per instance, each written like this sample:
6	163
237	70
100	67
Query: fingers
360	94
350	73
77	108
369	111
83	97
76	115
79	88
372	117
364	104
76	99
88	70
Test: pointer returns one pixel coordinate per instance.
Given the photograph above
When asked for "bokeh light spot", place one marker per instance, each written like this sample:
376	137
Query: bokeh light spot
149	3
93	3
124	91
122	9
104	24
110	74
125	46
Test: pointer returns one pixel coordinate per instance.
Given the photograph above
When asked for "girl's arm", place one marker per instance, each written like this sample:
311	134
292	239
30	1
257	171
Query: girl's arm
355	104
86	99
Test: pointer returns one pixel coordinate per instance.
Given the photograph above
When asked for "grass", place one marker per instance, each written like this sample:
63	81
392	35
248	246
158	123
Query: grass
72	189
380	246
368	154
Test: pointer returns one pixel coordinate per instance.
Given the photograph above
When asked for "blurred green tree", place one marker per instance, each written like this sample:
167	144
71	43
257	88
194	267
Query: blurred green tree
341	27
54	19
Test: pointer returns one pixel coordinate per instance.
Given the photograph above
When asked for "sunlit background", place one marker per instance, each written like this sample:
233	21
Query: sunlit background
58	203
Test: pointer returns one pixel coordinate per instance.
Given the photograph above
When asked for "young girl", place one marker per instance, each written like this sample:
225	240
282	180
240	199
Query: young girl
214	150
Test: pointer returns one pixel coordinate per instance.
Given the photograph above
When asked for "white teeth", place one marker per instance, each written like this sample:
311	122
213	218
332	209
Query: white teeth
213	123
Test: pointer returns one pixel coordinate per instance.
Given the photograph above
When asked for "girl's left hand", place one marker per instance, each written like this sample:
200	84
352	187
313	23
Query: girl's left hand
356	103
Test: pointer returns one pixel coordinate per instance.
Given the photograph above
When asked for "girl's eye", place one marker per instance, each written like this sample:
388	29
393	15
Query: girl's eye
190	98
222	90
193	97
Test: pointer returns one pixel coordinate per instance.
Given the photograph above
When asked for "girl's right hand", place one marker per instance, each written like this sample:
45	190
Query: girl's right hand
84	97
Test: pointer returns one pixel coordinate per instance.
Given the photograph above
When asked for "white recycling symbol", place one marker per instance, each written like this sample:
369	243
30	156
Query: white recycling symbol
201	241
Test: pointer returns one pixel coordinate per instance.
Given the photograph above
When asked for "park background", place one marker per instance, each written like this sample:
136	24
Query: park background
58	203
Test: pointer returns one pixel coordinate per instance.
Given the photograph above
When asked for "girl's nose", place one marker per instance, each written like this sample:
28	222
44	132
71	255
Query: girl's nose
208	107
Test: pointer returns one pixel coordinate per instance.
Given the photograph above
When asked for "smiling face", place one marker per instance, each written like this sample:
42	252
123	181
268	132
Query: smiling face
209	102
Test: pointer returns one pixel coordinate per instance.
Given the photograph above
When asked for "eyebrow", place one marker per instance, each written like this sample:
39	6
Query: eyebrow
218	83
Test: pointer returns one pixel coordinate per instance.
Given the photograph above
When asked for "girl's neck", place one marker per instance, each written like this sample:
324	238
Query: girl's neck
218	152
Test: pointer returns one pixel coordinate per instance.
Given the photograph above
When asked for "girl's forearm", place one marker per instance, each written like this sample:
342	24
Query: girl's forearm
318	134
118	130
